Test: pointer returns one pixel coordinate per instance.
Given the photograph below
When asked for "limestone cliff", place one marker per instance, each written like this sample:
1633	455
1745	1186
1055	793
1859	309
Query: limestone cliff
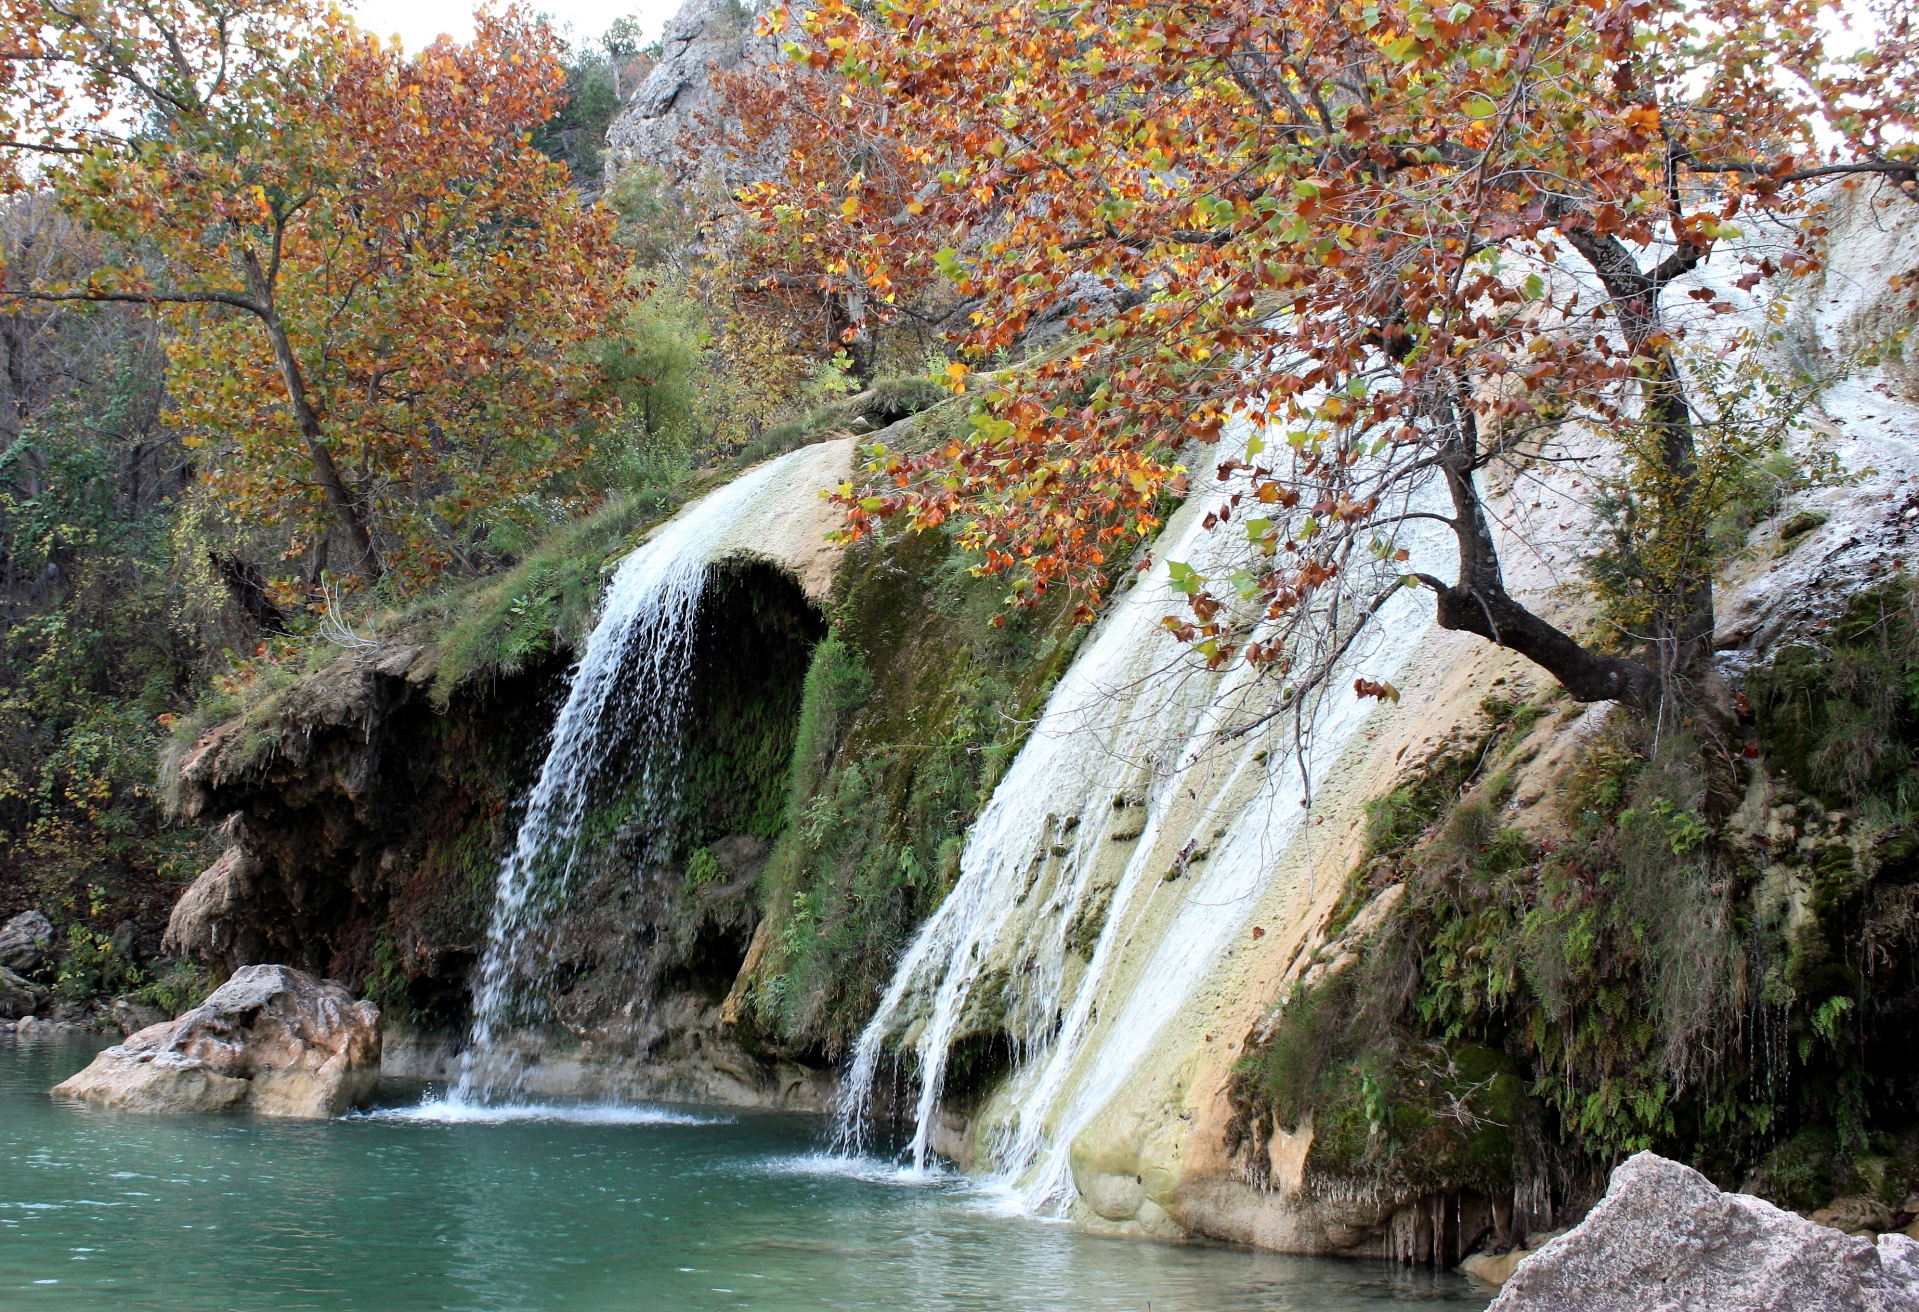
1513	937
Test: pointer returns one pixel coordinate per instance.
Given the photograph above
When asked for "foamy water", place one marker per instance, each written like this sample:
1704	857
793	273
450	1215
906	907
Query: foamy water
456	1111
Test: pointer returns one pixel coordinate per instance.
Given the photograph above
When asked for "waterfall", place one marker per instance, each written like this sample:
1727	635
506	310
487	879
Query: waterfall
625	701
1128	758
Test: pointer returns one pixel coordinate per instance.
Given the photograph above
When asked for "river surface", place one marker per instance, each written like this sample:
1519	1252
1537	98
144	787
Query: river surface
578	1209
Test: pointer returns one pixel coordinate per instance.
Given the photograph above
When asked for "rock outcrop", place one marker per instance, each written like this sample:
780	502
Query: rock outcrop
24	941
1664	1237
678	100
18	997
272	1040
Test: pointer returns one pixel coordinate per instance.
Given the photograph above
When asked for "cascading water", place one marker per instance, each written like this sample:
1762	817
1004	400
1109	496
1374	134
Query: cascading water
624	703
1128	757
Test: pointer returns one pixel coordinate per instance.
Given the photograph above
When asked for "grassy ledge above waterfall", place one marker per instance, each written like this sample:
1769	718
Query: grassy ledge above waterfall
1710	950
541	605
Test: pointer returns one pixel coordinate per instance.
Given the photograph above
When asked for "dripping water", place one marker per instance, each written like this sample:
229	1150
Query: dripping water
1123	730
618	731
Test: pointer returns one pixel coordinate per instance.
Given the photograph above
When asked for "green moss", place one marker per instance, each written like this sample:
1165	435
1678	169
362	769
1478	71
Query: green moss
1645	982
1431	1118
912	709
1841	716
544	604
1082	935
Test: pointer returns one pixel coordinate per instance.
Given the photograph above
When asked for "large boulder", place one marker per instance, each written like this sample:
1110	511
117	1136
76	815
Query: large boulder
1664	1239
272	1039
24	941
18	997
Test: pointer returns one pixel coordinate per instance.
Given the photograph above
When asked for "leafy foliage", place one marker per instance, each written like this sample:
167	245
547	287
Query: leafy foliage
1408	238
382	288
1675	972
109	611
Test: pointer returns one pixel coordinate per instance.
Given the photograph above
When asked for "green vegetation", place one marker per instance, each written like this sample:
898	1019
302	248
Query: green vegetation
141	603
600	77
1703	959
913	707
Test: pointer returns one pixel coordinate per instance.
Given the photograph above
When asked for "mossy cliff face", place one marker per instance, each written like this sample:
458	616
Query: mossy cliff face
363	821
1698	946
913	707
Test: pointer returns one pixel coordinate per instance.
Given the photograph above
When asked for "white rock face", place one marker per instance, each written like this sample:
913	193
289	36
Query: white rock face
272	1039
1665	1239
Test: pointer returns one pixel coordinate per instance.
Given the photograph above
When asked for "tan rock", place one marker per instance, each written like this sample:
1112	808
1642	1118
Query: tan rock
209	918
1853	1215
272	1039
1494	1270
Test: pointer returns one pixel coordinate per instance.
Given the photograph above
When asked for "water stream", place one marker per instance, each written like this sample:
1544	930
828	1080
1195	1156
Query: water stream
625	701
1128	762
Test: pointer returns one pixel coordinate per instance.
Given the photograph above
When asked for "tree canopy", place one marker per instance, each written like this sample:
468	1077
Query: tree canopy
383	288
1411	237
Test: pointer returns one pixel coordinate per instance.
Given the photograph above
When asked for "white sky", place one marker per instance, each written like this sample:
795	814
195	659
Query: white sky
417	22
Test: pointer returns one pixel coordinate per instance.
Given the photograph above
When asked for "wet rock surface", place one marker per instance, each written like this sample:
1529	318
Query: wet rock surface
272	1040
1664	1237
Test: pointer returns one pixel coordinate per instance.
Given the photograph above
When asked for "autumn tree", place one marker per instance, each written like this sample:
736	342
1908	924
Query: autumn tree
1412	238
815	164
380	289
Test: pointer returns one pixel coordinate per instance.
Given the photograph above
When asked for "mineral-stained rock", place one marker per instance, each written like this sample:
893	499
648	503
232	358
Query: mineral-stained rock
18	997
211	921
1665	1238
1855	1214
24	941
272	1039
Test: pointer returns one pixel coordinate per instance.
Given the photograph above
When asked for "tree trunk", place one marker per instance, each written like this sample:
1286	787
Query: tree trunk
352	524
358	540
1479	603
1683	626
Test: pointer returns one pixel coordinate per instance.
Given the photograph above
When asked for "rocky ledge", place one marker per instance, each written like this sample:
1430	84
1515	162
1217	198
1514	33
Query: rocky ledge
272	1040
1664	1238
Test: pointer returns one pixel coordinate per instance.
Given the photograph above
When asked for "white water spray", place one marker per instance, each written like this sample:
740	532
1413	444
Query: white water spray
1131	728
625	698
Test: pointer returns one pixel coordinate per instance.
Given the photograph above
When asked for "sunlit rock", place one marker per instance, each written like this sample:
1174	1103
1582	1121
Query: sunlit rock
272	1039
